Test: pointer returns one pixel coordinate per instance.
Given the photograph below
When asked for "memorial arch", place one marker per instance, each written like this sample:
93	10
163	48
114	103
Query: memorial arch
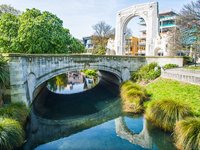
147	11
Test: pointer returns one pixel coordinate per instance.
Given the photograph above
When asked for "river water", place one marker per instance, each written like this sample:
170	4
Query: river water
92	119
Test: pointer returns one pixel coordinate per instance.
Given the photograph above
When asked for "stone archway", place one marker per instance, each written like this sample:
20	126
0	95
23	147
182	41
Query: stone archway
149	12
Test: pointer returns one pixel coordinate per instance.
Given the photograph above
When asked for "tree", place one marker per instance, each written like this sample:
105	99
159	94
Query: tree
102	33
76	46
9	25
175	41
42	33
8	9
189	22
36	32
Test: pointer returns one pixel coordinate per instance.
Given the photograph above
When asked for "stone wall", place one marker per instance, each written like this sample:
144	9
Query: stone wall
28	71
189	76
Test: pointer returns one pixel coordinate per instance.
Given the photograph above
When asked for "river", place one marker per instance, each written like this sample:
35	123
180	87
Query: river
92	119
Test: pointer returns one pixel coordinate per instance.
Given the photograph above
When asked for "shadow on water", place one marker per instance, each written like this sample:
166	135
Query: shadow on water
91	119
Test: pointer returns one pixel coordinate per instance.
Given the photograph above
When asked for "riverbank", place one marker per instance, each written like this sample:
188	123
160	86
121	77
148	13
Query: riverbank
174	107
170	89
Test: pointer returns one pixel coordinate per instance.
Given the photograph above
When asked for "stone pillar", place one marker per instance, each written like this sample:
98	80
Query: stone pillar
17	80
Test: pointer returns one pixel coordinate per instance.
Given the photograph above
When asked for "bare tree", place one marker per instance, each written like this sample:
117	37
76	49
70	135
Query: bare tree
102	33
102	29
189	22
8	9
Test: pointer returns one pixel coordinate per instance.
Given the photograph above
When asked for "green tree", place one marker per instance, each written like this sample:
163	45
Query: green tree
9	25
36	32
76	46
42	33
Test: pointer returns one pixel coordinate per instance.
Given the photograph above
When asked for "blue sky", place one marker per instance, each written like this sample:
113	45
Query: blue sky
79	15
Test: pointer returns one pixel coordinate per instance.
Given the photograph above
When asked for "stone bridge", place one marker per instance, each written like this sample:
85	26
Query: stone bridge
28	72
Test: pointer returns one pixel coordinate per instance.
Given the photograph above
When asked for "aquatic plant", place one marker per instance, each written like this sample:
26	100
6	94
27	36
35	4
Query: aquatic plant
11	134
187	134
16	111
132	96
165	113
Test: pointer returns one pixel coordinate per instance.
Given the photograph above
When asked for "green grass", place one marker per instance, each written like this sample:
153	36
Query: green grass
193	67
165	113
16	111
133	96
187	134
162	89
11	134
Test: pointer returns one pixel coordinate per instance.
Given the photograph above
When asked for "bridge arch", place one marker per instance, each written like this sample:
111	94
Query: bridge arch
42	79
149	12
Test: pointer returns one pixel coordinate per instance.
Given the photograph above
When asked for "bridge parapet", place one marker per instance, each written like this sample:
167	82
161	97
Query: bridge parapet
29	71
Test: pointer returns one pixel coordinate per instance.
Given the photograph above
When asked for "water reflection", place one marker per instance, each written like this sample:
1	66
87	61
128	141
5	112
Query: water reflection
72	82
91	120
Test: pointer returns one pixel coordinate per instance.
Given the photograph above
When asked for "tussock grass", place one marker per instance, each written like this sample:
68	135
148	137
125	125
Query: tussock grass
165	113
187	134
11	134
133	96
16	111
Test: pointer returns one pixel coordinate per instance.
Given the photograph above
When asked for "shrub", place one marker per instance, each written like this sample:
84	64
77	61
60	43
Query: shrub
169	66
165	113
16	111
146	73
133	96
90	73
187	134
11	134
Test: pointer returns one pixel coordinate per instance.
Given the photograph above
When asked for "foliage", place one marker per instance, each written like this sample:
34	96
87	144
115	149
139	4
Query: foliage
171	89
11	134
16	111
36	32
3	72
187	134
90	73
165	113
133	96
146	73
170	66
187	60
8	9
9	26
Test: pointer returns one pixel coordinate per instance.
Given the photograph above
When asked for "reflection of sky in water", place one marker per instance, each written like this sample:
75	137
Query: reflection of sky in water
70	89
101	137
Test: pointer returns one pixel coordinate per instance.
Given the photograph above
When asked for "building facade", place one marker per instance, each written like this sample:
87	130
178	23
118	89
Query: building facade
167	26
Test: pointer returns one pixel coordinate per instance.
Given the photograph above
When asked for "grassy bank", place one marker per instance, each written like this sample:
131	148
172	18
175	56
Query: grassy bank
133	96
12	123
163	89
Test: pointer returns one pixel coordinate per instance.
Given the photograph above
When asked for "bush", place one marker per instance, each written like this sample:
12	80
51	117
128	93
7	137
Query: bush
133	96
146	73
187	134
165	113
16	111
90	73
11	134
169	66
